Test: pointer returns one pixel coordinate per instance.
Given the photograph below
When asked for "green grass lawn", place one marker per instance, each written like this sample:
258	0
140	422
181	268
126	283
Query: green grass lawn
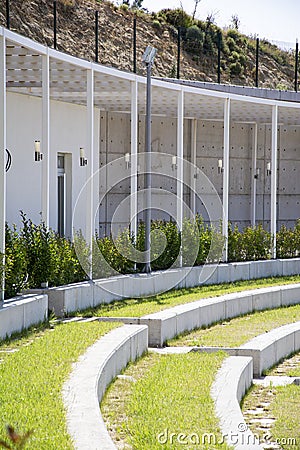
286	409
237	331
167	406
282	405
34	367
32	372
148	305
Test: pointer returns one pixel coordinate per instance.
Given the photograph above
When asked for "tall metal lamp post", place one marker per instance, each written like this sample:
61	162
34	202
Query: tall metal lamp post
148	58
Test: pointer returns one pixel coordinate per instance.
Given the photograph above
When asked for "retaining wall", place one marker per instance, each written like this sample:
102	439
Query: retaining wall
21	313
66	299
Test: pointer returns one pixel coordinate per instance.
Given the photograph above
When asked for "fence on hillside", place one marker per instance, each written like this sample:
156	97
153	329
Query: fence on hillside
206	46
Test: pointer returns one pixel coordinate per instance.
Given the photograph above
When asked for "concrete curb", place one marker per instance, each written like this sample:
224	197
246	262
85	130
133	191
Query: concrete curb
22	312
269	348
232	381
236	376
169	323
89	379
74	297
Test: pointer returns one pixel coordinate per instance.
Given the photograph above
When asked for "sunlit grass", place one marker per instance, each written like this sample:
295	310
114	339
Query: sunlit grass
286	409
32	372
171	395
282	405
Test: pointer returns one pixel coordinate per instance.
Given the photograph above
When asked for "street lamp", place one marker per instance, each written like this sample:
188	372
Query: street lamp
148	58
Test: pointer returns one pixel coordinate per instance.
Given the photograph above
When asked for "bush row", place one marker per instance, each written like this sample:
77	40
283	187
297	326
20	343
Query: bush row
36	254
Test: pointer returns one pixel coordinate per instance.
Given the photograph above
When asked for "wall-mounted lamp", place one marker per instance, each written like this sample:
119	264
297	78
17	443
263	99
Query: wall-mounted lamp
174	162
127	160
38	156
256	175
269	171
82	159
220	166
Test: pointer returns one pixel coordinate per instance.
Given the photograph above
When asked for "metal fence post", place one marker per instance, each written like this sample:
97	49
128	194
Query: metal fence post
7	15
96	35
178	52
54	23
219	57
256	64
296	65
134	45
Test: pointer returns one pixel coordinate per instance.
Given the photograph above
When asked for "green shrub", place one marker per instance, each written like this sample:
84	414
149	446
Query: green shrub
194	39
242	59
237	37
115	255
156	23
231	44
37	254
176	17
37	245
66	266
253	244
288	241
236	69
163	235
15	263
124	7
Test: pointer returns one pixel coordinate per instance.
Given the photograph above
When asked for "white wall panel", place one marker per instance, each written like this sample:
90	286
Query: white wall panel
67	134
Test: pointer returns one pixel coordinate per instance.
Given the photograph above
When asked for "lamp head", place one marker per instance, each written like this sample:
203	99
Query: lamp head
149	55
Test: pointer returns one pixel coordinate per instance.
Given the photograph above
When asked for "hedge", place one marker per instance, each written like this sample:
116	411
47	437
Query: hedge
36	254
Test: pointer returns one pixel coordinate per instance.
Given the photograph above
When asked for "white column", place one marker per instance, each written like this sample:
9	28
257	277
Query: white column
226	175
133	159
179	189
3	152
194	165
45	138
274	177
254	178
90	158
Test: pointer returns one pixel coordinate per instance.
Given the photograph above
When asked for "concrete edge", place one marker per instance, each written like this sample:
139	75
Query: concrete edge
70	298
231	383
269	348
21	313
168	323
89	379
236	376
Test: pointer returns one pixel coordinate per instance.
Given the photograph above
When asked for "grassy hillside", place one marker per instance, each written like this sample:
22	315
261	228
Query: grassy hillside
75	35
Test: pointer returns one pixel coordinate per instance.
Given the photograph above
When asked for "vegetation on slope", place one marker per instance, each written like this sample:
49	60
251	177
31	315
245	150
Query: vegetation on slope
76	35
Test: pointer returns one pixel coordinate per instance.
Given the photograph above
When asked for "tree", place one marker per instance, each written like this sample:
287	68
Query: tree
136	4
196	3
235	21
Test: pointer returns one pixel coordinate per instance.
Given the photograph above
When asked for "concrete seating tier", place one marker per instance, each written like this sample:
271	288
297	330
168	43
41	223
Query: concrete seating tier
173	321
91	375
236	376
